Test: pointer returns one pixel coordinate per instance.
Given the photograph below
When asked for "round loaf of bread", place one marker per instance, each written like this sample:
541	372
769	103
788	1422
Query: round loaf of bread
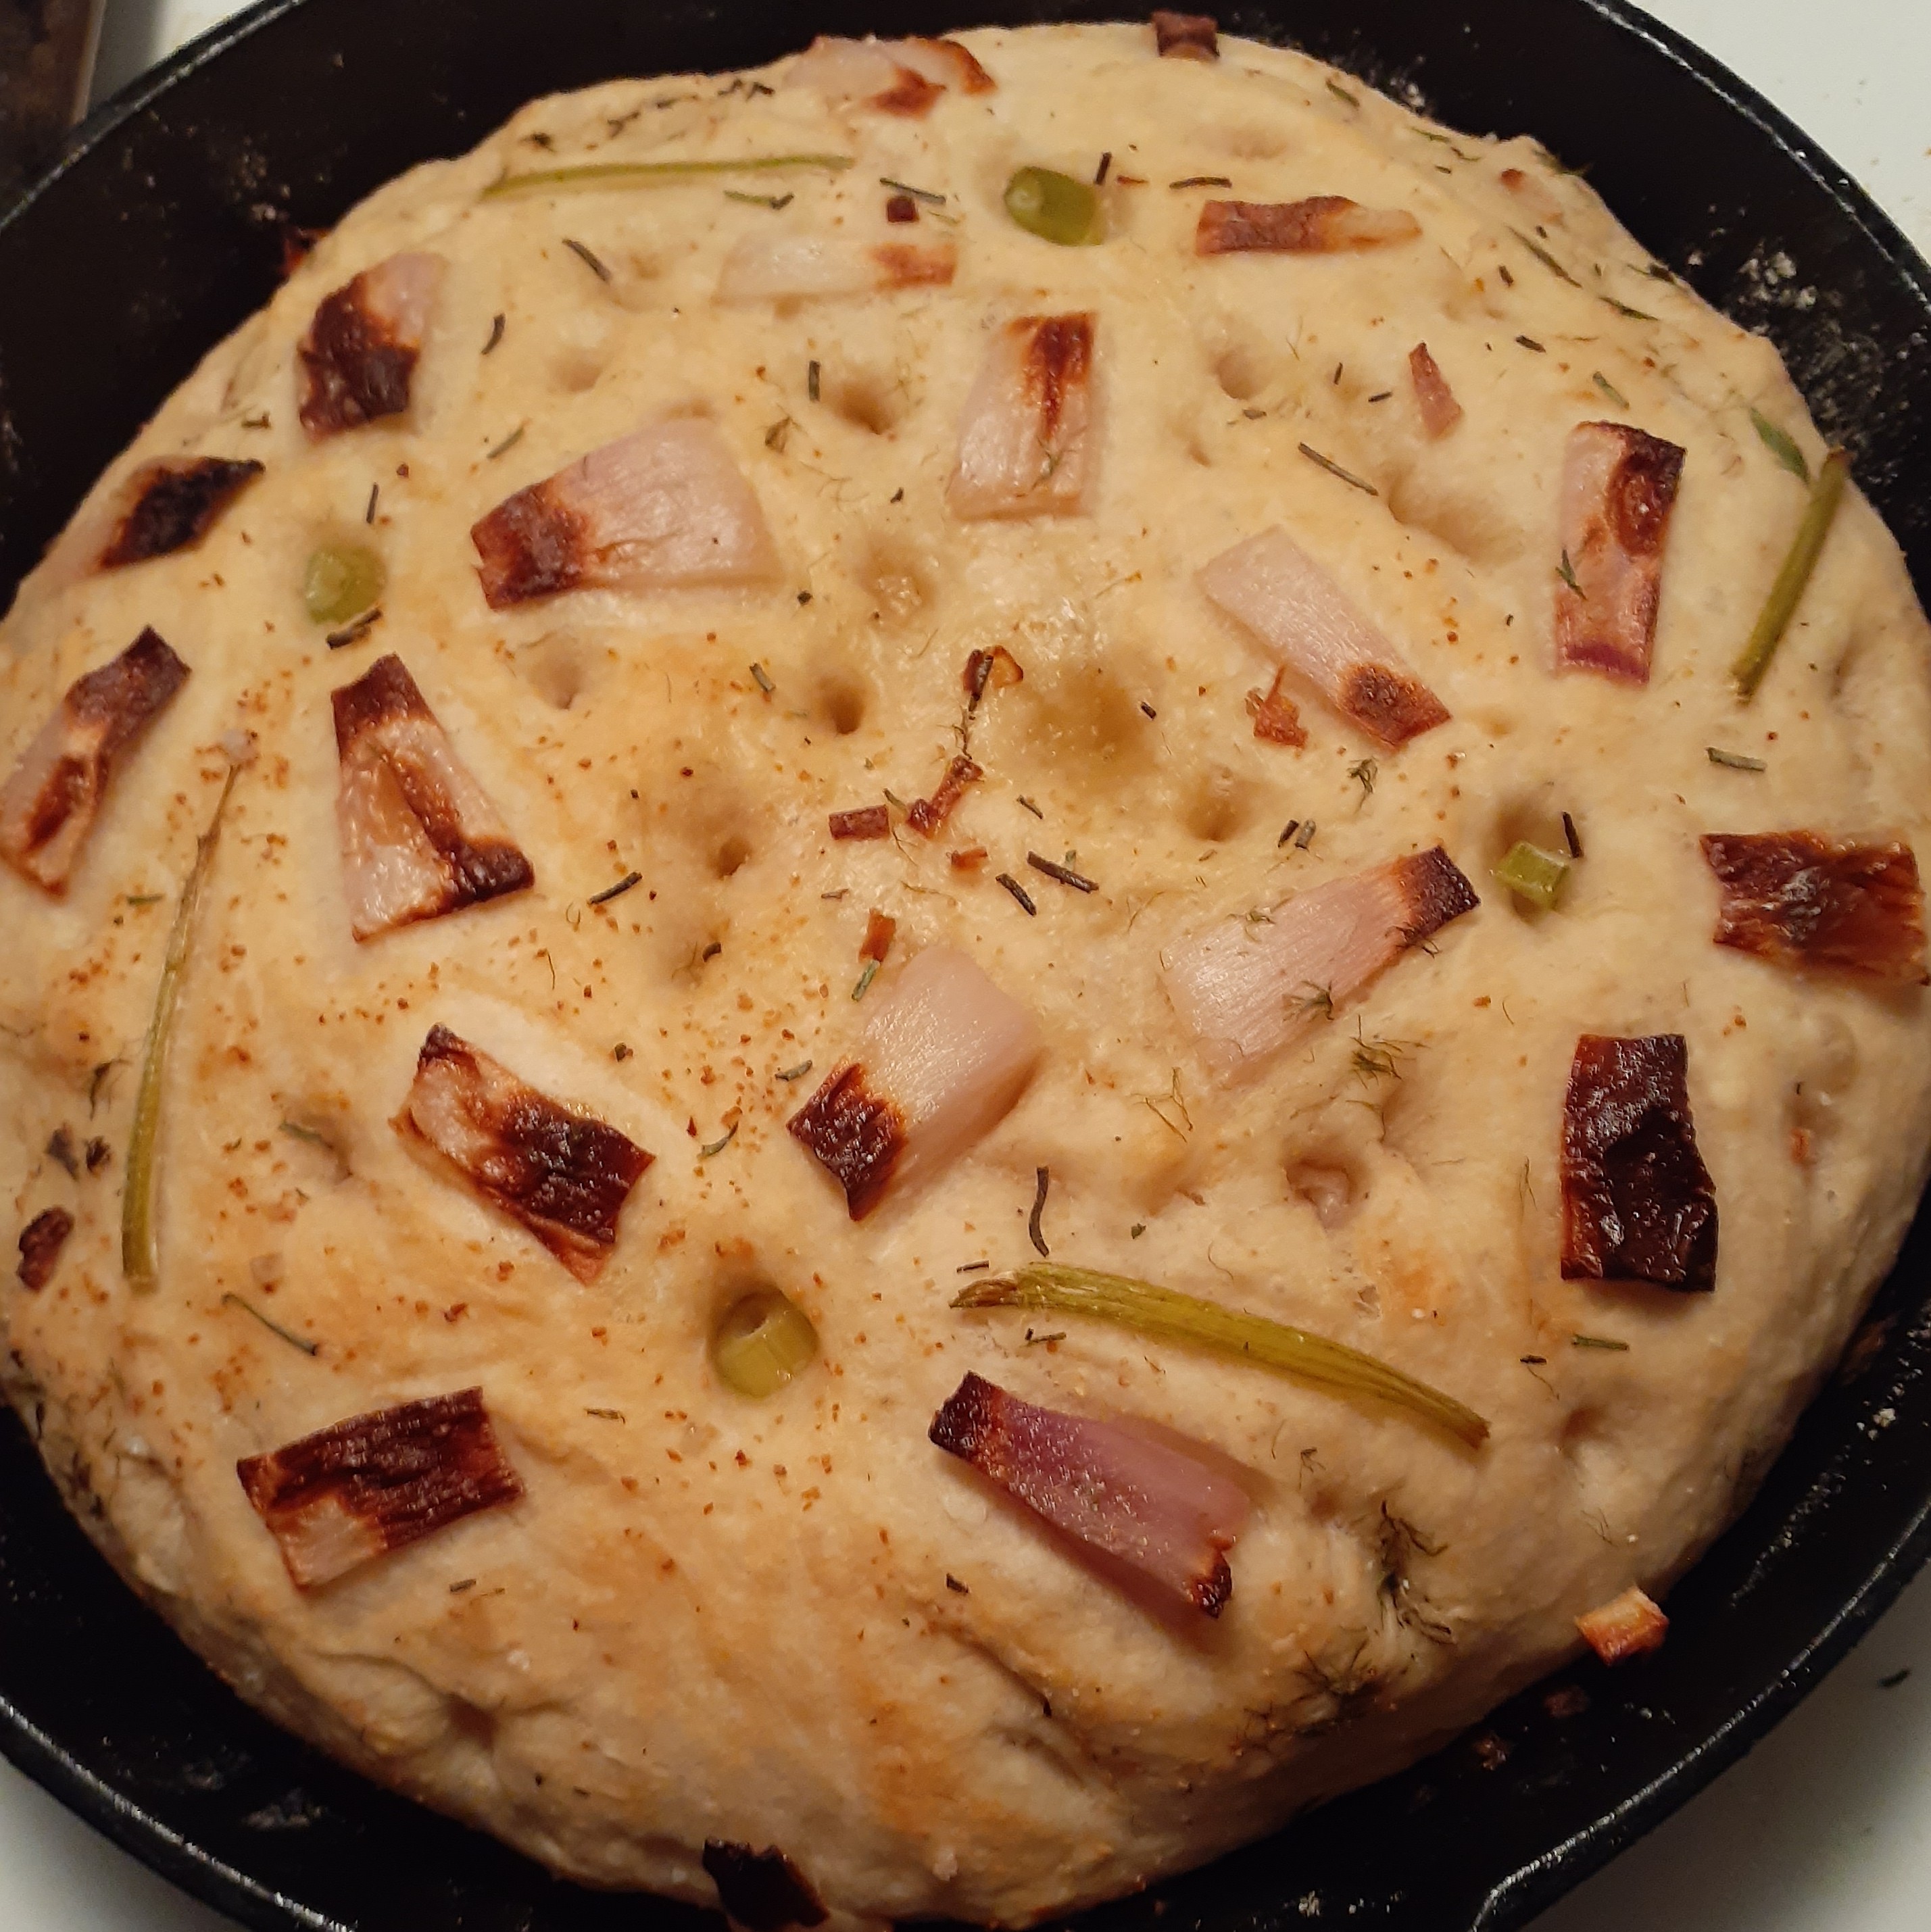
903	1003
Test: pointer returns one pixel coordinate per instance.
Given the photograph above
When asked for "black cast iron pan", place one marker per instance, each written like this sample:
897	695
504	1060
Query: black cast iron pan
161	229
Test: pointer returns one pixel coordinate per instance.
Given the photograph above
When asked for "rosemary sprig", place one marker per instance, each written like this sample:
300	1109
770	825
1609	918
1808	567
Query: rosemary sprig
1543	256
1164	1312
308	1348
1780	606
140	1245
1610	390
647	174
1333	469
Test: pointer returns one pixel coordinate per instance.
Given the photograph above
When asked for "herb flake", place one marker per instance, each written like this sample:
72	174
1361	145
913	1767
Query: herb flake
646	174
588	259
1333	469
1610	390
307	1347
1735	761
616	891
1019	893
1043	1182
1063	874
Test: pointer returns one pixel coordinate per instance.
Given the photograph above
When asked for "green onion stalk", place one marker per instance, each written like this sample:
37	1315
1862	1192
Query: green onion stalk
1827	492
654	174
1165	1313
140	1244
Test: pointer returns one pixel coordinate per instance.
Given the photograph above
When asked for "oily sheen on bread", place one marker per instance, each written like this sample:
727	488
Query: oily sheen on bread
902	1002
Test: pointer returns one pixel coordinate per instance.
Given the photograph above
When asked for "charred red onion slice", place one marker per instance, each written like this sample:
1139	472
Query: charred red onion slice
1618	487
1325	224
903	77
1637	1204
1246	988
762	1891
1435	399
1270	584
358	358
1277	720
943	1060
1625	1627
1805	901
1185	36
778	267
1025	439
41	1240
49	802
662	508
928	815
171	504
338	1499
420	837
866	821
564	1174
1139	1499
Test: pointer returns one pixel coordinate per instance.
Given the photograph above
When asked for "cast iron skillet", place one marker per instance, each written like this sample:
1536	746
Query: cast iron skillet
160	230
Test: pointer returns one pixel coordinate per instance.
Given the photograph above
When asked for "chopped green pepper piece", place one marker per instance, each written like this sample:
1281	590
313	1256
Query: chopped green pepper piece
140	1245
763	1341
1050	1287
1533	873
1056	207
341	581
1780	606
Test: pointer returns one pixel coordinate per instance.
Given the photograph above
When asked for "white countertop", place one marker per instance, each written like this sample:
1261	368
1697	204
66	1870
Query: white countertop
1826	1827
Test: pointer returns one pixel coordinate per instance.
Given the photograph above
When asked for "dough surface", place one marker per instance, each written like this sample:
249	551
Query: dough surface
794	1622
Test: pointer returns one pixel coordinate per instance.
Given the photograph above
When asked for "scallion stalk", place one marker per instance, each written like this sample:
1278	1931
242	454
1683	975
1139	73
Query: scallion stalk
1780	606
140	1246
645	174
1532	874
1051	1288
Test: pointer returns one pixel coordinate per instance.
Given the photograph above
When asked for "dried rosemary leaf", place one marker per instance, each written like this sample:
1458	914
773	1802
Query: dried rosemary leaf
1053	1288
140	1245
648	174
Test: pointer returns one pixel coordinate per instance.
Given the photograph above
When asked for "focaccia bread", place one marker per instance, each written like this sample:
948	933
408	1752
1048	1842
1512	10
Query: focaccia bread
924	973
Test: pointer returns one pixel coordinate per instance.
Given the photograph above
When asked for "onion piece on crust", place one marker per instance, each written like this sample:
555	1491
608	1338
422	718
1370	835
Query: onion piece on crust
358	360
1027	433
944	1059
563	1174
1805	901
1269	583
1246	987
1324	224
903	77
41	1240
348	1494
1625	1627
778	267
171	503
1619	486
50	800
1637	1204
1434	399
762	1891
1186	36
1138	1498
663	507
420	837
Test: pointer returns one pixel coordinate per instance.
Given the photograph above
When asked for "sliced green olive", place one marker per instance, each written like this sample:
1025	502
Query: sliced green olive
342	581
763	1341
1056	207
1532	874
